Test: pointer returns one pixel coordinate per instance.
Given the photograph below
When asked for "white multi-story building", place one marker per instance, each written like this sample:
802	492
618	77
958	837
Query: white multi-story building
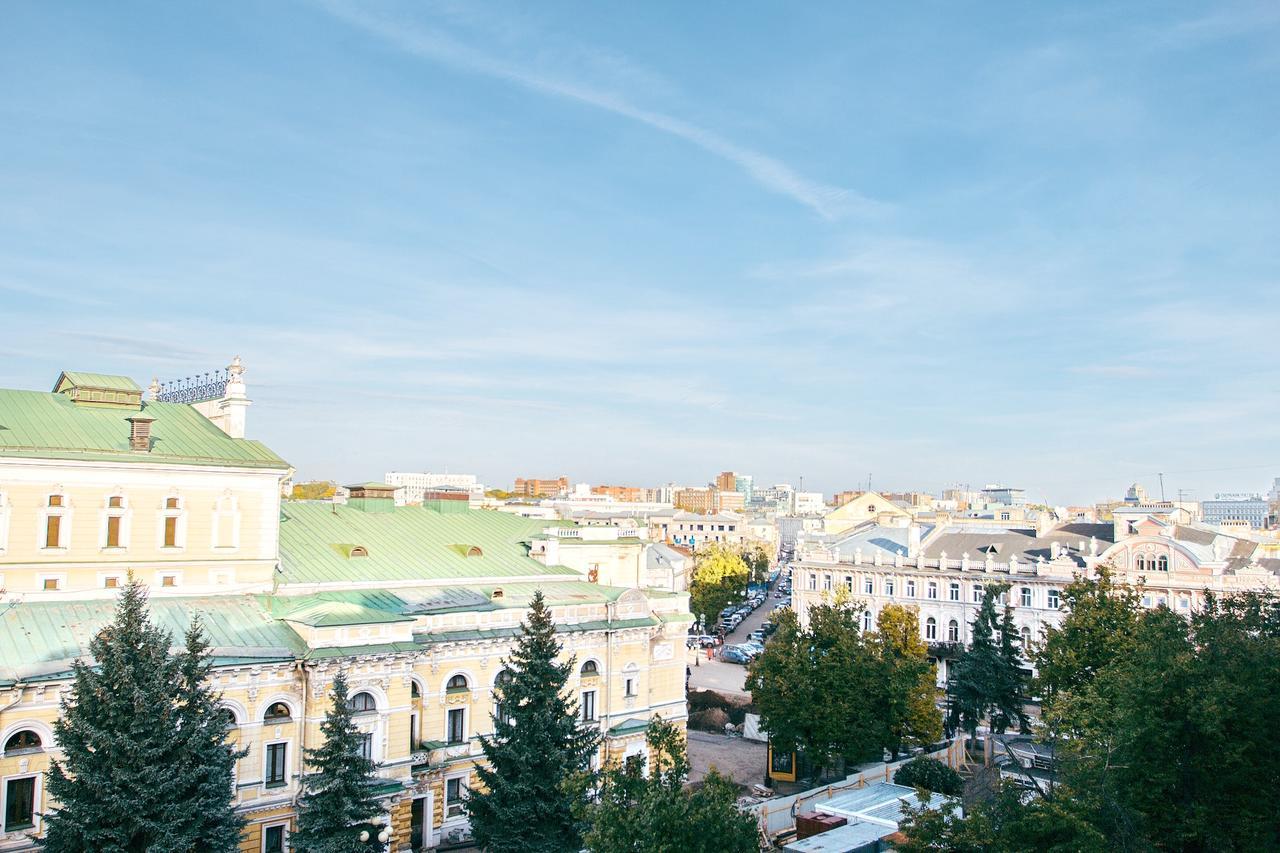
942	570
410	487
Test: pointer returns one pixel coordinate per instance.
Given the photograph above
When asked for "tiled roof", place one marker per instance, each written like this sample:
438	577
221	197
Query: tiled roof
45	425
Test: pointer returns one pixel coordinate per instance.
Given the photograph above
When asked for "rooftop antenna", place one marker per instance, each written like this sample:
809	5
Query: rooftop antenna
1161	476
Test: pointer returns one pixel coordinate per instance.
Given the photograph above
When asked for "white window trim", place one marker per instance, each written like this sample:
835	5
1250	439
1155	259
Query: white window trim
168	573
466	721
35	801
288	761
104	576
180	531
64	528
60	577
121	512
444	797
273	825
227	505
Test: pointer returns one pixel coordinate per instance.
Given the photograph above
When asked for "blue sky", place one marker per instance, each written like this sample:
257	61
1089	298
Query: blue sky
647	242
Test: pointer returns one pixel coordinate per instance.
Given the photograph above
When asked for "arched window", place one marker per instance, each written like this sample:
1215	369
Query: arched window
589	669
413	690
866	620
1026	636
931	628
359	551
1140	563
1162	564
362	703
23	741
278	712
228	715
457	682
953	631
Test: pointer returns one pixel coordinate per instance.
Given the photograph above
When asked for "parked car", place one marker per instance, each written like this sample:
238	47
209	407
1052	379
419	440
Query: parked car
758	635
768	628
752	647
733	654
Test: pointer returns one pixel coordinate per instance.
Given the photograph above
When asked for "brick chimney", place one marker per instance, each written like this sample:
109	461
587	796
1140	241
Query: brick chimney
140	432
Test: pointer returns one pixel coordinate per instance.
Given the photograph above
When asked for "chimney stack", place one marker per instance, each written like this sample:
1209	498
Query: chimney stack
140	432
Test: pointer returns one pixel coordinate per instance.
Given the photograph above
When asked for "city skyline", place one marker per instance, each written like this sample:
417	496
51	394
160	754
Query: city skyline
520	241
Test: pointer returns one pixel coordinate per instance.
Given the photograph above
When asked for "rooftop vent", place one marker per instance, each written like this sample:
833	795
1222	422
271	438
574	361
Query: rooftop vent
371	497
140	432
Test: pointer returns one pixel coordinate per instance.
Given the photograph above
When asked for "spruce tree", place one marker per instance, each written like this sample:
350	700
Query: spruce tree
337	802
987	680
537	751
206	759
132	732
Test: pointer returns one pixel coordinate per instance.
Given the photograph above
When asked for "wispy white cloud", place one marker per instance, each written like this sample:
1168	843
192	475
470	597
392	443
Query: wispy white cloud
829	202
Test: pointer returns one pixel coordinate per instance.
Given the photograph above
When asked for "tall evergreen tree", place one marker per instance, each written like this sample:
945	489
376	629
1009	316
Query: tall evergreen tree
987	681
142	750
337	802
206	761
537	753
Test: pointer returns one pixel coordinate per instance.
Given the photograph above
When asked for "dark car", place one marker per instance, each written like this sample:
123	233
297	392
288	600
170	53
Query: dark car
733	654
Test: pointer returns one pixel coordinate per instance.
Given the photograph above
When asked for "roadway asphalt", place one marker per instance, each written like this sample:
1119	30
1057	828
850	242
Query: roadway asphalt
729	677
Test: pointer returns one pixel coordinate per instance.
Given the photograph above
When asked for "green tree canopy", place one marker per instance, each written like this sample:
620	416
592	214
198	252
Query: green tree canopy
930	774
719	579
537	753
643	809
337	802
145	764
908	684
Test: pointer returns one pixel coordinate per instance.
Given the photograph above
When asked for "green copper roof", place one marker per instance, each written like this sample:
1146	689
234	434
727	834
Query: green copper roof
46	425
404	543
626	727
40	639
97	380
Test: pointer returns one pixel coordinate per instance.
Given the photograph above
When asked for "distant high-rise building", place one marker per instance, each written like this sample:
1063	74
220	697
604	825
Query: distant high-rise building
744	485
535	488
697	499
727	481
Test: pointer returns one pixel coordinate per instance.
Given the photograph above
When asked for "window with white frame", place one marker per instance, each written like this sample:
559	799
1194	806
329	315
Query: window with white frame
931	628
173	523
588	706
866	620
275	773
813	580
977	593
56	522
848	583
1026	636
826	583
114	523
888	587
1026	596
1053	599
275	838
953	591
868	585
455	790
456	725
953	631
933	589
20	802
911	589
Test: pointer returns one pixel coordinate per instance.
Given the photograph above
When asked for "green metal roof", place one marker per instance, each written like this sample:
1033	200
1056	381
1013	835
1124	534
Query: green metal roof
626	727
104	381
404	543
46	425
41	639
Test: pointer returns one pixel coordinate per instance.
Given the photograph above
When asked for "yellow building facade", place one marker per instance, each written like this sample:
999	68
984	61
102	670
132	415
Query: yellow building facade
419	606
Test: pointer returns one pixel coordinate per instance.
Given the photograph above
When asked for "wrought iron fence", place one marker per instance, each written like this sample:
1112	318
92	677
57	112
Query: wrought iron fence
194	389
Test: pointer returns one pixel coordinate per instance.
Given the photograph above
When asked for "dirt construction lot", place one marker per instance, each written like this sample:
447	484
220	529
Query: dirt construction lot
741	760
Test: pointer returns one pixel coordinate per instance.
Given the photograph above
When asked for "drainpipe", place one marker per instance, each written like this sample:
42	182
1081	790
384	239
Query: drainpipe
610	612
19	686
303	667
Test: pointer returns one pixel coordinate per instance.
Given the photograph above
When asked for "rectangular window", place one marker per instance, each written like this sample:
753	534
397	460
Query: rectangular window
953	592
911	589
630	687
113	531
53	531
453	792
1026	596
826	583
19	803
111	582
813	580
51	584
276	772
1053	599
170	531
933	589
168	580
366	746
273	839
457	732
977	593
588	705
888	587
868	586
413	732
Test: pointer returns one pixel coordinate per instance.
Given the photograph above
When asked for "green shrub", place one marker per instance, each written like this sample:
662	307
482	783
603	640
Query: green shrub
930	774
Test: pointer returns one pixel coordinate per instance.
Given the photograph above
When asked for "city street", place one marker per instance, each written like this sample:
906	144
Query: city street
730	677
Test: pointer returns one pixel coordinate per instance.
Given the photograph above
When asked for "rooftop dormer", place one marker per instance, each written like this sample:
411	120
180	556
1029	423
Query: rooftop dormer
99	390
